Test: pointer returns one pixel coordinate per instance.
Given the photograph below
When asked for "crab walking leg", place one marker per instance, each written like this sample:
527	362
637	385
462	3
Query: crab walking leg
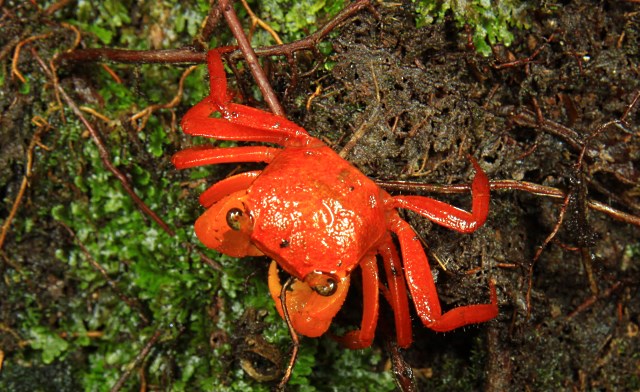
200	156
362	338
235	121
219	95
397	296
423	289
227	186
448	215
238	122
217	77
256	118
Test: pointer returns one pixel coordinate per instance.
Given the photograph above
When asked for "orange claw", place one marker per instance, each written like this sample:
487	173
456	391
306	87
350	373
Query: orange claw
310	313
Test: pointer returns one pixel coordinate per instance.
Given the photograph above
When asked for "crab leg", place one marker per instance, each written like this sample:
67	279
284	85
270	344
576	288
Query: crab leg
423	289
200	156
227	186
238	122
397	293
448	215
362	338
217	77
234	121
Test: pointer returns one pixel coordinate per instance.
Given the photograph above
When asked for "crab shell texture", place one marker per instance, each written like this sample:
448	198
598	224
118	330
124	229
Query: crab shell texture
318	218
309	211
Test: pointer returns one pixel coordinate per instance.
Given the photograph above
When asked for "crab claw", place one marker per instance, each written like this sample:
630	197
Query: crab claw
312	303
226	227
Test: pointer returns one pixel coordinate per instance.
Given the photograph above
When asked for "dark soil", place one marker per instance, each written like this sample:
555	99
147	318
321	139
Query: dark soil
421	101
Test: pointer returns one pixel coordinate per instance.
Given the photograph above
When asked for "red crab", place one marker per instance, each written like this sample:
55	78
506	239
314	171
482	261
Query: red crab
319	218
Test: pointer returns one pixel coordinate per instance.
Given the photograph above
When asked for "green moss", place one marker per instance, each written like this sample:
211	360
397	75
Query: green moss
490	21
293	19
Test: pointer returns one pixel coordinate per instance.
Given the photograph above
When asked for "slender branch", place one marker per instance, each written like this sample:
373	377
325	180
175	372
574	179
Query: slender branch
56	6
553	233
257	21
139	358
172	56
145	114
294	335
201	41
16	54
42	126
106	160
530	119
104	153
591	300
189	56
526	60
252	60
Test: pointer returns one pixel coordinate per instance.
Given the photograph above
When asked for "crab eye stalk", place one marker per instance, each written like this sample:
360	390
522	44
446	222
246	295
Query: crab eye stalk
234	218
322	283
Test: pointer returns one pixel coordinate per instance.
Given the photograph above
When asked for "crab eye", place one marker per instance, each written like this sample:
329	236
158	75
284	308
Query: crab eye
322	283
234	218
327	289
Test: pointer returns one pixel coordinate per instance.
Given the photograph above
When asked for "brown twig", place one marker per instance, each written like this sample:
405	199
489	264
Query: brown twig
16	54
54	82
526	60
528	118
257	21
252	60
56	6
359	133
89	334
295	341
168	56
97	114
42	127
631	105
76	31
499	365
201	41
106	160
139	358
112	73
104	153
312	40
553	233
591	300
189	56
313	96
144	115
